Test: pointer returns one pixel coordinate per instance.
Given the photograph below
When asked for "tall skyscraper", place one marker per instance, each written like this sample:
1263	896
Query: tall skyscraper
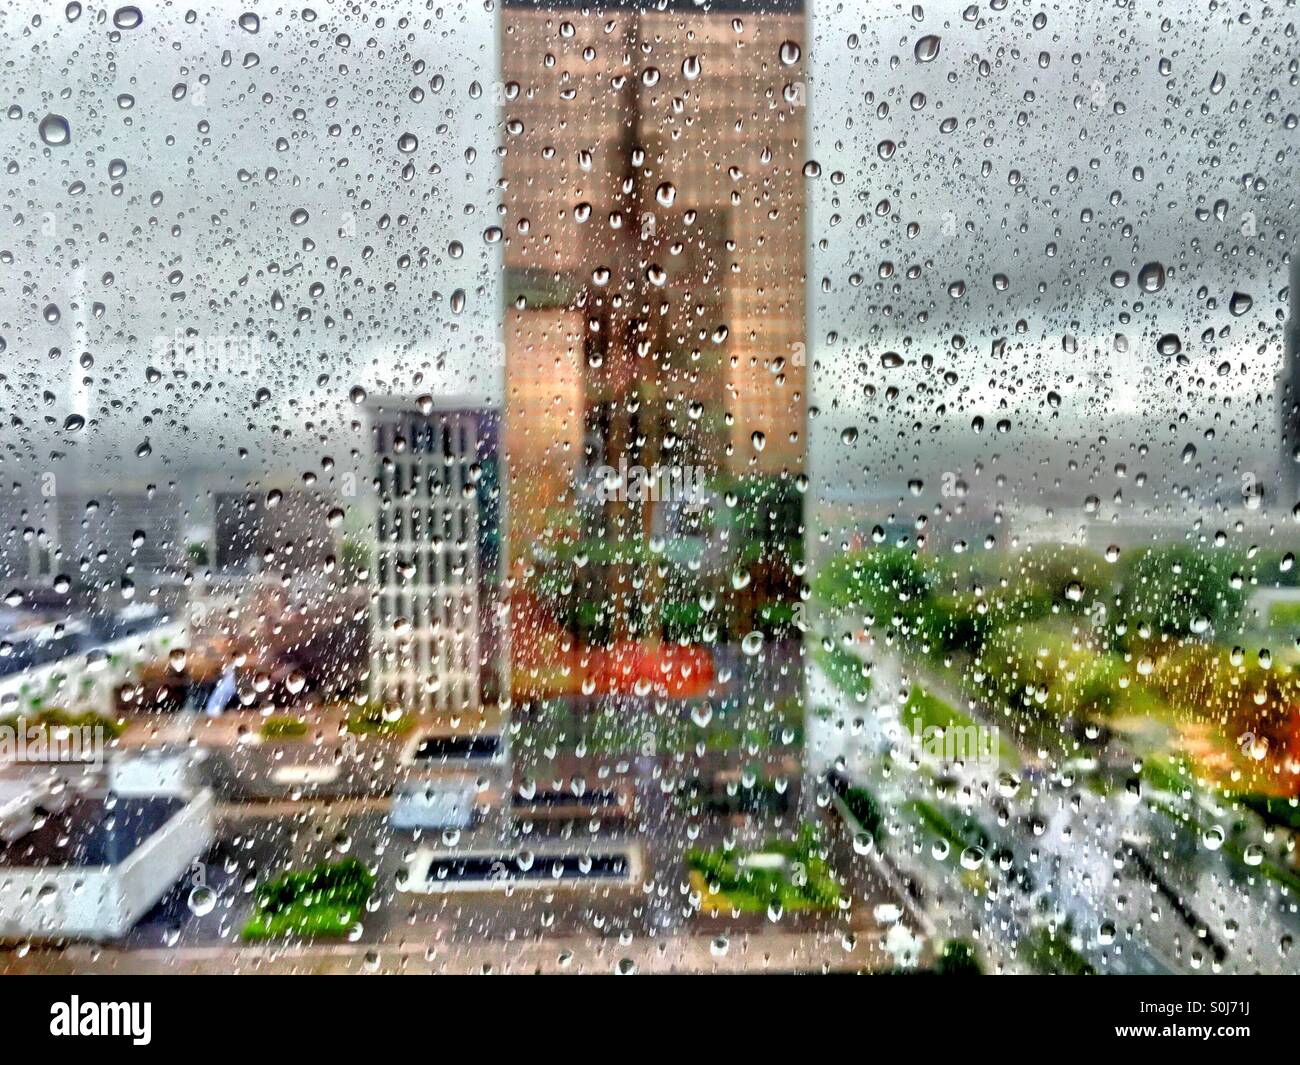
654	196
436	631
654	329
1289	393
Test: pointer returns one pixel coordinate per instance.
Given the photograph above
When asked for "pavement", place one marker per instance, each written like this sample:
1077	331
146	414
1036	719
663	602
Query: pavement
761	952
649	923
334	803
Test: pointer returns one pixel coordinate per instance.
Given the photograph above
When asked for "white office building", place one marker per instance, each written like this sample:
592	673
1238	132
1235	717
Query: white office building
437	637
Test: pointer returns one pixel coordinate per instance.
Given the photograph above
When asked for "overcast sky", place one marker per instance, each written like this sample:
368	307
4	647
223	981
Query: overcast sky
1072	157
200	231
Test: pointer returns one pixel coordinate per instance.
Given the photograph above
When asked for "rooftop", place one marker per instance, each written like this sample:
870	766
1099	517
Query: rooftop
90	832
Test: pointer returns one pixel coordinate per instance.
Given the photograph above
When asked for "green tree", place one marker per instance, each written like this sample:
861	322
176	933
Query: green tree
1178	590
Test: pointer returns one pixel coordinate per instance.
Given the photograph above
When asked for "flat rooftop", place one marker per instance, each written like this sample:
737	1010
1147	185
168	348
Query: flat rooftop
90	832
471	748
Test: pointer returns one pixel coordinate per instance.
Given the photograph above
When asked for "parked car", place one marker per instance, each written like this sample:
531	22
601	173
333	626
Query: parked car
434	804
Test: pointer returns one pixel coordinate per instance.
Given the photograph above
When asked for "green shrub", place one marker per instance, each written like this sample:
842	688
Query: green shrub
282	726
756	889
882	581
1050	954
958	958
324	900
374	720
1170	587
305	921
347	881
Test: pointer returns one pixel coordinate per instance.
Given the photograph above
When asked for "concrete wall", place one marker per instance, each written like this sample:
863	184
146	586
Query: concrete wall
147	773
160	862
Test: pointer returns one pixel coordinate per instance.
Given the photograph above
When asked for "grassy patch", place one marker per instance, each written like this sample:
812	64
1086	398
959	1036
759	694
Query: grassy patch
1168	775
924	711
1284	616
375	720
792	874
845	672
283	727
933	819
326	900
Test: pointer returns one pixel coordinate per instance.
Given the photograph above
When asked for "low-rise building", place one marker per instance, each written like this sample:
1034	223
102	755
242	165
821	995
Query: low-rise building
87	862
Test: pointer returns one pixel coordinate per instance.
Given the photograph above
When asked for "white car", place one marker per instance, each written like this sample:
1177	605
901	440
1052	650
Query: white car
433	804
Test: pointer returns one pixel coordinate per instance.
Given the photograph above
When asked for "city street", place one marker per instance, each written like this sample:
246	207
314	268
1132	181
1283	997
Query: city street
1146	915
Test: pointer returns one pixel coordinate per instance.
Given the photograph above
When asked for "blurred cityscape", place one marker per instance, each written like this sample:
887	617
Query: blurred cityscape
705	578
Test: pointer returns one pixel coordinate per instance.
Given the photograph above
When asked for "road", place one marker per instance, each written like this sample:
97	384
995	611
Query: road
1146	913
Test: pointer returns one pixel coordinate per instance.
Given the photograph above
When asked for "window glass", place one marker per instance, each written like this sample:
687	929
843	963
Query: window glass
686	486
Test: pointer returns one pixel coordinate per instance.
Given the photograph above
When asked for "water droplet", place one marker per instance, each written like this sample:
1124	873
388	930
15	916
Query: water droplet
202	900
127	18
1151	278
55	131
927	48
